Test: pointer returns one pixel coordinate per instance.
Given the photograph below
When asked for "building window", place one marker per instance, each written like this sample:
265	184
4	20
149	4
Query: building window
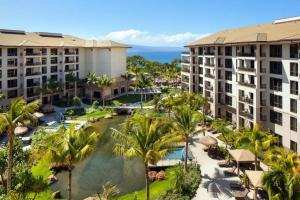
44	70
293	105
116	91
276	100
228	87
276	51
294	87
293	69
228	116
0	52
53	77
275	67
228	76
53	69
228	100
294	51
12	83
12	62
228	51
275	117
276	84
122	90
53	52
12	52
12	94
228	63
12	73
293	146
293	123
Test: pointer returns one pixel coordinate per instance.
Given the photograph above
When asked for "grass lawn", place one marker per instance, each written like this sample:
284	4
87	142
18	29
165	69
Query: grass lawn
96	114
131	98
156	188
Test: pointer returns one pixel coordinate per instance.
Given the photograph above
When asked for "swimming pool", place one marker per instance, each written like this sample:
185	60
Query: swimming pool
56	125
178	153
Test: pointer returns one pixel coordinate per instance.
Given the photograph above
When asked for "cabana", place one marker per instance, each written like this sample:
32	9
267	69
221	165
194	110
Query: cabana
242	156
208	141
255	177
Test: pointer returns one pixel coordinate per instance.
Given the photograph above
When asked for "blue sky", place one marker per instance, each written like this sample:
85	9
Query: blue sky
146	22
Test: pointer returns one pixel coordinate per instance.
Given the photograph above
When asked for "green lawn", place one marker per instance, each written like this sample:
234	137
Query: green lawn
96	114
156	188
131	98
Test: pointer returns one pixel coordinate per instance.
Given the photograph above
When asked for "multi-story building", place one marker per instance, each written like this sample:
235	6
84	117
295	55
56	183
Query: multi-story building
250	75
29	60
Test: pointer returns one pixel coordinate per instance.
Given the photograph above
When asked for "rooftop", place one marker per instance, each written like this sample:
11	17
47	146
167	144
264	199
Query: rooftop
280	30
41	39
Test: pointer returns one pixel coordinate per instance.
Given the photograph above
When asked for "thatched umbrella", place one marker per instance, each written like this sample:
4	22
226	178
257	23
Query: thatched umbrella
242	156
255	177
208	141
20	130
38	115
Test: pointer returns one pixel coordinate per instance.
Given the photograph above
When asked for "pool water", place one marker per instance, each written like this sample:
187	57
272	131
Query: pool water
56	125
175	154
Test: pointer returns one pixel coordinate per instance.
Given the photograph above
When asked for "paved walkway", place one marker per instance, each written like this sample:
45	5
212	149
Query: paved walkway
214	184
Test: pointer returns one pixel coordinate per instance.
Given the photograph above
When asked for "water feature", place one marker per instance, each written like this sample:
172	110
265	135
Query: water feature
101	166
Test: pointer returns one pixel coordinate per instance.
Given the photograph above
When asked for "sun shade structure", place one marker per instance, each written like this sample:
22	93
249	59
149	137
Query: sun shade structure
208	141
255	177
20	130
242	156
38	115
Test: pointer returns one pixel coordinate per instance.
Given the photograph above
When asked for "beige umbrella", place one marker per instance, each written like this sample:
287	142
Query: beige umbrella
242	156
255	177
20	130
38	115
208	141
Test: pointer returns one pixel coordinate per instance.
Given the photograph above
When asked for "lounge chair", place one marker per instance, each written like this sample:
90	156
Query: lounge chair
230	172
224	163
241	195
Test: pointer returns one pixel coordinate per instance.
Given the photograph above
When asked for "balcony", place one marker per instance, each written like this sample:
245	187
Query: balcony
33	63
247	84
71	53
209	87
33	84
185	61
209	53
70	70
33	73
70	61
33	94
209	64
245	99
245	54
209	75
246	114
247	69
33	54
185	69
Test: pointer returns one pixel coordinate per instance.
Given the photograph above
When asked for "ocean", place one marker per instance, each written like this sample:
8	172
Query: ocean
163	56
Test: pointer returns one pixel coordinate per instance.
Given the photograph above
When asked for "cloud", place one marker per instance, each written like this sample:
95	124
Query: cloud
134	36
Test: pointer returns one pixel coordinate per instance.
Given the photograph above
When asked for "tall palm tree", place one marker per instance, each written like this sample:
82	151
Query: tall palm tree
69	146
19	112
256	139
127	77
168	102
72	78
104	81
53	87
143	82
185	123
146	137
221	126
91	81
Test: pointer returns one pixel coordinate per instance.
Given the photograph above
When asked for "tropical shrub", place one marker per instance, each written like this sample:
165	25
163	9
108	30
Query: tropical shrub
76	101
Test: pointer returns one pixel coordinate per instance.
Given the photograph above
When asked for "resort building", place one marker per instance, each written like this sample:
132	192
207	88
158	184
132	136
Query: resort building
250	75
29	60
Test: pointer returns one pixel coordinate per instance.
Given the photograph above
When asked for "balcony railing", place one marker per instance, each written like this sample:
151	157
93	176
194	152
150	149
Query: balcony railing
185	69
33	63
209	76
33	94
209	64
71	53
70	70
247	84
32	54
33	84
246	99
185	61
244	54
209	53
247	69
246	114
70	61
33	73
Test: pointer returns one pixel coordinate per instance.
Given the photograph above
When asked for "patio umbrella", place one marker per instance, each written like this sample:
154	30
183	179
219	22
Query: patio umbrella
242	156
255	177
38	115
208	141
20	130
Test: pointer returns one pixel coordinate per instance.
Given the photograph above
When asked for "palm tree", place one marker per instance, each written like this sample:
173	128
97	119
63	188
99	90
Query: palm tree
69	146
19	112
110	191
71	77
91	81
127	77
168	102
54	87
143	82
221	125
185	123
256	139
3	165
104	81
147	137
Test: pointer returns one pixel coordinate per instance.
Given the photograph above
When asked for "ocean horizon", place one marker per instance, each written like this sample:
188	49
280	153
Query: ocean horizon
159	56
